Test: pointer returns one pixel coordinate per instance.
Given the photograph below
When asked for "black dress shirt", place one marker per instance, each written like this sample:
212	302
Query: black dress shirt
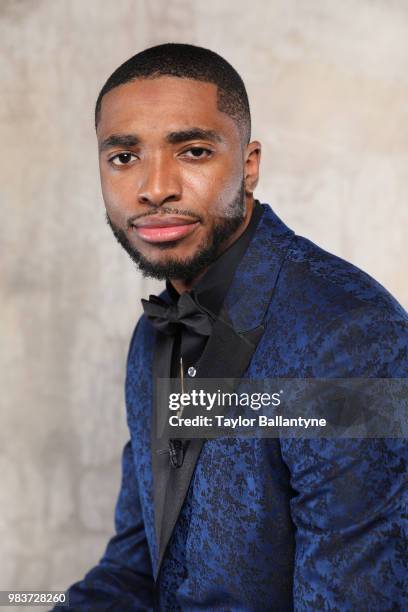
209	292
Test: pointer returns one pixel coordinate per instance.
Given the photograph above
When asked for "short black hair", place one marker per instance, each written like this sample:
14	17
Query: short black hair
188	62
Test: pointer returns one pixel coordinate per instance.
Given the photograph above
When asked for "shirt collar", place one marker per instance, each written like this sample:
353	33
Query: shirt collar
212	287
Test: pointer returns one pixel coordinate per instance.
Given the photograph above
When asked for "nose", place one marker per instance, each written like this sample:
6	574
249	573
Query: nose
160	182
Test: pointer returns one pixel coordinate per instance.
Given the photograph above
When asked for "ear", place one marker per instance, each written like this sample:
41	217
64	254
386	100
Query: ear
251	168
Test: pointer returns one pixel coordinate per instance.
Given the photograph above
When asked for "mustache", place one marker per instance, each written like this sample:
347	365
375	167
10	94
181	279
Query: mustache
164	210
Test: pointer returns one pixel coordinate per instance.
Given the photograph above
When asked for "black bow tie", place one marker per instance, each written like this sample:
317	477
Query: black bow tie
167	318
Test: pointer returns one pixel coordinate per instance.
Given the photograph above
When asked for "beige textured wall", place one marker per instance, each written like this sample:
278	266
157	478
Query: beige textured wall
328	83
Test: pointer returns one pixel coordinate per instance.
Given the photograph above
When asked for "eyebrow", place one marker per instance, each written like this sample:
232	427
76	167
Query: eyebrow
132	140
194	133
119	140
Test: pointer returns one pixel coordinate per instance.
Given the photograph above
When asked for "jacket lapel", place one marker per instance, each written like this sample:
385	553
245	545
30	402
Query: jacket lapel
227	354
160	458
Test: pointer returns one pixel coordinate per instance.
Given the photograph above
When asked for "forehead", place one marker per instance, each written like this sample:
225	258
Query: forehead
163	104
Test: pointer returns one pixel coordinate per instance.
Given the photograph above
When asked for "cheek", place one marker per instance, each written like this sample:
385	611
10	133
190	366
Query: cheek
223	197
116	195
227	196
214	189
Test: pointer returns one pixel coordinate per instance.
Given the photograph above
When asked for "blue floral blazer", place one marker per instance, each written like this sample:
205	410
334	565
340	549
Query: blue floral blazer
268	524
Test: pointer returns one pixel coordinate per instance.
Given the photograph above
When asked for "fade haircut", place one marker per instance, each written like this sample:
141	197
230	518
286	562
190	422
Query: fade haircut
187	62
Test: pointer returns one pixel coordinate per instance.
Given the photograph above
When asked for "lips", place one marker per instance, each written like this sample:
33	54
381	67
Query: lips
164	228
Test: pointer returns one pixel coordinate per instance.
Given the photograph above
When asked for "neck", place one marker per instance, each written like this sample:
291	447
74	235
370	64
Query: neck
181	285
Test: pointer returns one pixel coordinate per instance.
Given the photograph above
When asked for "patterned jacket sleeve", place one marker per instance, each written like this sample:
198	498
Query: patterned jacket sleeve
350	502
122	580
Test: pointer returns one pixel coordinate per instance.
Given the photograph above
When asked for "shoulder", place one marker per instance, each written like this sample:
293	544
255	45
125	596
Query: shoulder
342	320
333	282
141	343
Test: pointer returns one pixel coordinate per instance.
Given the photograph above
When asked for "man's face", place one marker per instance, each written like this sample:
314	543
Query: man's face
172	172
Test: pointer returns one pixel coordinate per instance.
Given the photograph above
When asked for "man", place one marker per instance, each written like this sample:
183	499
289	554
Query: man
237	523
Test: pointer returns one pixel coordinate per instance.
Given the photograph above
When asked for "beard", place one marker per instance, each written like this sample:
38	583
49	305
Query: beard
207	252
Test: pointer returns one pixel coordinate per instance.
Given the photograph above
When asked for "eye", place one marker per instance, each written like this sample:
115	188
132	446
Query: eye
197	153
122	159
